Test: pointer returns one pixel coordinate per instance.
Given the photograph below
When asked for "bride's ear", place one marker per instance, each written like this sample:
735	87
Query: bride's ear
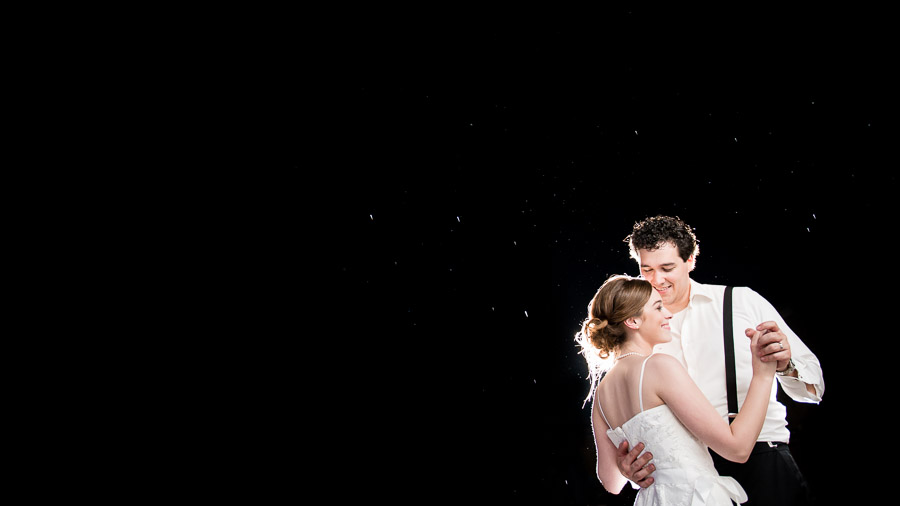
633	323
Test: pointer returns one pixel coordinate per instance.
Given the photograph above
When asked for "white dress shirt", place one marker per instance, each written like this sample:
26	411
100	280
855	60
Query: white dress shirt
697	344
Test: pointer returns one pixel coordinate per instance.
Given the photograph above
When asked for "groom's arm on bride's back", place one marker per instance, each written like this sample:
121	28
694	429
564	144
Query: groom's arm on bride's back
608	457
637	469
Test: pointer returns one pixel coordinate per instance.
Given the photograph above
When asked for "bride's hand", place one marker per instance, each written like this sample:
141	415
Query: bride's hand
759	367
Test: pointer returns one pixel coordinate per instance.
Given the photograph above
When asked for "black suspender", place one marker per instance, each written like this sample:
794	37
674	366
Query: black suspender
730	381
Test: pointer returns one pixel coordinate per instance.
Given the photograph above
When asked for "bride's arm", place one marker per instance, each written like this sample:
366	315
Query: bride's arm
733	442
607	471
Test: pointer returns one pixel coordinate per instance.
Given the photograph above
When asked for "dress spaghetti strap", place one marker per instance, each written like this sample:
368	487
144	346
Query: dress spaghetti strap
641	385
601	411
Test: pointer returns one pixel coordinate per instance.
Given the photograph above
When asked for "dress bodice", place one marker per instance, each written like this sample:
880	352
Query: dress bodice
685	474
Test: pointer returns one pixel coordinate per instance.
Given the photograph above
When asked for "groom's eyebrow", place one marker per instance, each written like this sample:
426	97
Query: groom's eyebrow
669	264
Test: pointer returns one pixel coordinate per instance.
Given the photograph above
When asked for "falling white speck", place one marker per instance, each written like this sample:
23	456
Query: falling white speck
807	229
535	382
635	132
526	314
371	217
457	220
814	216
514	243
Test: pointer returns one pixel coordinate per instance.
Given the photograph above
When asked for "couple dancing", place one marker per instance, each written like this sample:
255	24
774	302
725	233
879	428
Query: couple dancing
683	354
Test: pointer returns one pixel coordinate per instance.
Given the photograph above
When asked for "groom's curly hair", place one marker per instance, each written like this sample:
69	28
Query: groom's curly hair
651	233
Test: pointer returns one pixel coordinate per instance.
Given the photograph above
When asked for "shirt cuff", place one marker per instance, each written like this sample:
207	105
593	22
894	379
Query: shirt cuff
796	387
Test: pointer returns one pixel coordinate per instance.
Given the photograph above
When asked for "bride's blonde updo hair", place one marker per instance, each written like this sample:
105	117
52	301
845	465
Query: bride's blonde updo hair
603	331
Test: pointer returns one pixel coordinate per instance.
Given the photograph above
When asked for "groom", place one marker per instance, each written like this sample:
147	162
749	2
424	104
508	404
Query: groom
666	251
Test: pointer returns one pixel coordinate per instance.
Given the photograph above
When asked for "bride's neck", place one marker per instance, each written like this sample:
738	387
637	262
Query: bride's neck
636	344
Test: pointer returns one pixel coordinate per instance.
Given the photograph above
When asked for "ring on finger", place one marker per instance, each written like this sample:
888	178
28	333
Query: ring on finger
781	344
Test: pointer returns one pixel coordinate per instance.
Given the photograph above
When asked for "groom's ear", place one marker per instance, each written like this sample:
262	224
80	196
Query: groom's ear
690	262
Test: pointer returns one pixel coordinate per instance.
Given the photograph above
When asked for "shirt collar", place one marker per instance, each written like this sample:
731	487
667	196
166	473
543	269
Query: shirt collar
701	290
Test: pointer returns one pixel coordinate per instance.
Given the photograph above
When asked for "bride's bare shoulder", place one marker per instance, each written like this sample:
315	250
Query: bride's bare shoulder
663	364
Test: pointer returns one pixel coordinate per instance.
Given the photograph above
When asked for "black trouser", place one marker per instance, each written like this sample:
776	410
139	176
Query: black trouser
770	476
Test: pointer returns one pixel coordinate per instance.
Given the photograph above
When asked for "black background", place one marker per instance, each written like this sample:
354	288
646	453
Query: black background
476	185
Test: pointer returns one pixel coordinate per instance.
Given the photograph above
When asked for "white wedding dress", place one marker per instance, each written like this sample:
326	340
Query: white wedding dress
685	474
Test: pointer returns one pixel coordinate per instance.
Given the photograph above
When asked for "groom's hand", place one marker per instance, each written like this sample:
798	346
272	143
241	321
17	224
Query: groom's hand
634	468
774	344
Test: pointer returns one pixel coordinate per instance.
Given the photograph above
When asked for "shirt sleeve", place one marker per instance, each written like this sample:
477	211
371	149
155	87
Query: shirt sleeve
808	368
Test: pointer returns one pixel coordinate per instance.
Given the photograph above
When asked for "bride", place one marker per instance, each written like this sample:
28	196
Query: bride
646	397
